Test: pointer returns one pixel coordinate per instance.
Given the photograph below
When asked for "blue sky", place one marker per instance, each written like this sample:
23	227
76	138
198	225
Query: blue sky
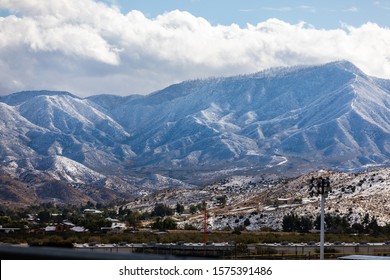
127	47
321	14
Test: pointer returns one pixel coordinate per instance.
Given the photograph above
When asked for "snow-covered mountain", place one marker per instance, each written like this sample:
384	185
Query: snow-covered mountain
69	126
329	115
280	120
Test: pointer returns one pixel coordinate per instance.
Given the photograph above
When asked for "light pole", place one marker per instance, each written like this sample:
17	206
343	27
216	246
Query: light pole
321	186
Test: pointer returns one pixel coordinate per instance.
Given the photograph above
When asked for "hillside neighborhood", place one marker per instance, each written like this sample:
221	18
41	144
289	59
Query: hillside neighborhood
250	203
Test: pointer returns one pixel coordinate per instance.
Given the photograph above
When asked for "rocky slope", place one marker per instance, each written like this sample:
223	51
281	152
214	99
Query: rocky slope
265	200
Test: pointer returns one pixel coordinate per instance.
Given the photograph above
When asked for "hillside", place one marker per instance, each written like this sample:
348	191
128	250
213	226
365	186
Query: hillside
265	200
286	121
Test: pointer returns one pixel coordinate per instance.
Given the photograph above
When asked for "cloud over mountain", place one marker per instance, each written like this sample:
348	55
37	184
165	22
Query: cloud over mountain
88	47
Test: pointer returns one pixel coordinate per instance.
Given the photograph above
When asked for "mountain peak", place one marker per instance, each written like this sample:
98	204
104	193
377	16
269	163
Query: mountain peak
20	97
346	65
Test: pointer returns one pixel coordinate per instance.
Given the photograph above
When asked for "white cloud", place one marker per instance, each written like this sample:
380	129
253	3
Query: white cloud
280	9
308	8
383	4
351	10
88	47
246	10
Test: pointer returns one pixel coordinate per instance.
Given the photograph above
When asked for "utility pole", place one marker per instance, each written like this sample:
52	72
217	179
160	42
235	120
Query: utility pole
321	187
205	226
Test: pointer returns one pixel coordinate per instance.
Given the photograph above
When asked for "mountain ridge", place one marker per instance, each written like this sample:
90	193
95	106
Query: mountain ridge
289	120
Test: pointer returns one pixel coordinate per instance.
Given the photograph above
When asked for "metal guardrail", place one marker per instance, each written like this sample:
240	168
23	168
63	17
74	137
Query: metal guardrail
364	257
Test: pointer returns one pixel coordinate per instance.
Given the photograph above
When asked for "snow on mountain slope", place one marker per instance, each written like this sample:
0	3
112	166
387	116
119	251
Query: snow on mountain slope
73	127
284	119
61	180
331	113
68	114
62	168
260	202
13	130
21	97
